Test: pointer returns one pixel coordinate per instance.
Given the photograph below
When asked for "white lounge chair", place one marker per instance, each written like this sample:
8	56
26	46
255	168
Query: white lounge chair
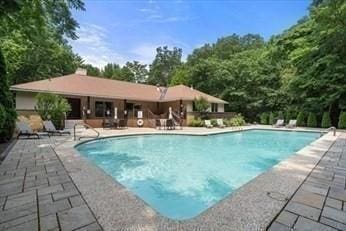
292	124
220	123
25	130
279	123
50	128
208	124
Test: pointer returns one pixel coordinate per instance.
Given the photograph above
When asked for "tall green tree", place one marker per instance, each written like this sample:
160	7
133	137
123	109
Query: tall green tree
139	71
33	40
164	64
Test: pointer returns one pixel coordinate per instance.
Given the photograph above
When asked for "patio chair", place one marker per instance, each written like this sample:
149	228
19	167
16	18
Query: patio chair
292	124
170	124
25	130
220	123
50	128
108	123
122	123
158	124
208	124
279	123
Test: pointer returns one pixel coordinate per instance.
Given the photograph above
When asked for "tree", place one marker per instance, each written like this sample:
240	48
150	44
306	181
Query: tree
139	71
164	64
264	118
312	120
8	113
326	123
342	120
52	107
91	70
301	119
33	40
180	76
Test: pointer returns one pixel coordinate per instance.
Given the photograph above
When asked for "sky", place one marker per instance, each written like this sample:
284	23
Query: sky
118	31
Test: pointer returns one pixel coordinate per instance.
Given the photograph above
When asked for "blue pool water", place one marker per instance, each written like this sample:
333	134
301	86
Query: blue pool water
181	176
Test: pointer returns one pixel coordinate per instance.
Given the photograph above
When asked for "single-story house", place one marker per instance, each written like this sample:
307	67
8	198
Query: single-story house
93	99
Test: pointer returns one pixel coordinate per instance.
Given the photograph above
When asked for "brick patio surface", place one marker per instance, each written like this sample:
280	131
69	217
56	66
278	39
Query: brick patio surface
320	202
36	192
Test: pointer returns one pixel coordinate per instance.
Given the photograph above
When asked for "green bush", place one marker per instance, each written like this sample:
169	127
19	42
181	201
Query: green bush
52	107
264	117
196	123
342	120
213	122
301	119
280	116
8	113
326	123
271	118
237	120
312	120
290	115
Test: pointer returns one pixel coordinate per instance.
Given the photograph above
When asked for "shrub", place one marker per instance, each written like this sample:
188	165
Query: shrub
312	120
8	113
280	115
237	120
326	123
52	107
301	119
213	122
264	118
342	120
290	115
201	105
196	123
272	118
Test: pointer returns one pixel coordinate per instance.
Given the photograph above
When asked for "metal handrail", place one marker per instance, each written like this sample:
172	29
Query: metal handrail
176	118
84	125
150	119
328	130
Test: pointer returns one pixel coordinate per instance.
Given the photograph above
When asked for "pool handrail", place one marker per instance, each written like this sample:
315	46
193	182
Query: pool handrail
84	125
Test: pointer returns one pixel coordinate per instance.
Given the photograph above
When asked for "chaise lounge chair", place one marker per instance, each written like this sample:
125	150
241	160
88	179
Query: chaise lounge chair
220	123
292	124
279	123
50	128
25	130
208	124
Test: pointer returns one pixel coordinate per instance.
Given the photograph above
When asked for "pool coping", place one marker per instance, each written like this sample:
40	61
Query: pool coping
248	208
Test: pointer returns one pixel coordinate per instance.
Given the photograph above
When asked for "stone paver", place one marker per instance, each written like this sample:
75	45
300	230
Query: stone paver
319	203
37	193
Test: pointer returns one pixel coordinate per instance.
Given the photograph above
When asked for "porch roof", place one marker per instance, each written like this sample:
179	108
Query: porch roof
82	85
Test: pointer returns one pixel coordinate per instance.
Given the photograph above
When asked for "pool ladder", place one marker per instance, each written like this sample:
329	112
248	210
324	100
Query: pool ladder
86	126
328	130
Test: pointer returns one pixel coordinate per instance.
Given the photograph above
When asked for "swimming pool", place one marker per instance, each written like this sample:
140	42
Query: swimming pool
181	176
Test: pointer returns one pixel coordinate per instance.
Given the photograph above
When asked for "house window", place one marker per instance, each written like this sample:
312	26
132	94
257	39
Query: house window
103	109
214	107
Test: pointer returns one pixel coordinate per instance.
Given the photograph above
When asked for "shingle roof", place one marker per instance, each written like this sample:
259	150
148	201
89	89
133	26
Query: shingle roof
83	85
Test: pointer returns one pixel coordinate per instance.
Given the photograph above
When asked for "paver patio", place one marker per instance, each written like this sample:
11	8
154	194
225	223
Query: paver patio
320	202
37	193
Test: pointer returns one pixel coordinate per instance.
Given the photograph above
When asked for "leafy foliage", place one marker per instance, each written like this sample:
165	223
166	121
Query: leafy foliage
342	120
272	118
201	104
7	111
312	120
301	119
264	118
196	123
326	123
237	120
52	107
165	62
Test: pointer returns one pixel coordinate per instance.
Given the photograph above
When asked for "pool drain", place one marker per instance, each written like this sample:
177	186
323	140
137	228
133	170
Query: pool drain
277	196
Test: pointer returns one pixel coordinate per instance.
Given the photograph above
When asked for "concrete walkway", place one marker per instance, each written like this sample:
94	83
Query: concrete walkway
37	193
320	202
